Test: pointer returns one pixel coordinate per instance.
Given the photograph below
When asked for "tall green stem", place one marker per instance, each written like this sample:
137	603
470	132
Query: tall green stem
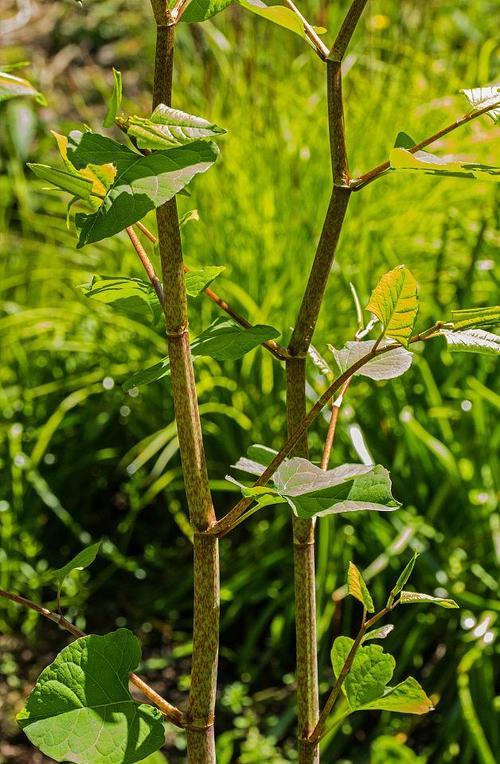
200	715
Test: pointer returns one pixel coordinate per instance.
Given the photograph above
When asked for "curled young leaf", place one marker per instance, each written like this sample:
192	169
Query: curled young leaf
412	598
403	578
381	633
357	588
115	101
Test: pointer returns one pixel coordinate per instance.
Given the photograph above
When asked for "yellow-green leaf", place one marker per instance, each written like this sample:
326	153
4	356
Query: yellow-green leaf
394	302
401	159
358	589
412	598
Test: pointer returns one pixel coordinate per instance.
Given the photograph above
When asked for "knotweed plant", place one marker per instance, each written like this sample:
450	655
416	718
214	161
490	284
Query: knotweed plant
81	709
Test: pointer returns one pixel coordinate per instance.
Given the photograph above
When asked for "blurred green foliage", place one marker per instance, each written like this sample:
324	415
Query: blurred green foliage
81	460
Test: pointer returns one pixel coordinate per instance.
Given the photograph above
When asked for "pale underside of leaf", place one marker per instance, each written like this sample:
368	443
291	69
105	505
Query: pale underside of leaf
472	341
412	598
169	127
479	98
389	365
401	159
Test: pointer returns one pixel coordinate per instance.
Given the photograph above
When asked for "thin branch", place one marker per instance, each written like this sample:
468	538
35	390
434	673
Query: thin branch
148	266
226	523
172	713
332	427
376	172
317	43
347	29
277	350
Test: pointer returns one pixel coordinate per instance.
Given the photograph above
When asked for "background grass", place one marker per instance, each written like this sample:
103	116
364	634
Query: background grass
81	459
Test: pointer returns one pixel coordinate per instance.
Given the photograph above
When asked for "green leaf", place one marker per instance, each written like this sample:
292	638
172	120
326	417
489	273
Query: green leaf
408	697
474	318
155	758
381	633
169	127
357	588
371	671
312	492
389	365
101	176
479	98
131	296
403	578
81	709
262	454
412	598
201	10
401	159
82	560
12	86
394	302
224	340
278	14
67	181
472	341
404	141
115	101
198	279
141	184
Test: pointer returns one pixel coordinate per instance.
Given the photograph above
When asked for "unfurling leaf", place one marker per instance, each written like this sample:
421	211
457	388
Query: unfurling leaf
115	101
475	318
401	159
365	686
12	86
141	184
201	10
381	633
480	98
412	598
198	279
169	127
311	491
81	709
66	181
394	302
403	578
388	365
358	589
224	340
472	341
81	561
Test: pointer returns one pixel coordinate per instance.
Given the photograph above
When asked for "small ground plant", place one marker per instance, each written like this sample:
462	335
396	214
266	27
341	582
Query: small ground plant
81	709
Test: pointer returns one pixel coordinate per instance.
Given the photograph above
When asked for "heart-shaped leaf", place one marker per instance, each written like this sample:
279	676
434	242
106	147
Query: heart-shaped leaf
371	671
394	302
201	10
81	709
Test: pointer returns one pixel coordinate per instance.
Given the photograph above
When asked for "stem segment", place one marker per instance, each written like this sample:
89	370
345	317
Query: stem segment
200	715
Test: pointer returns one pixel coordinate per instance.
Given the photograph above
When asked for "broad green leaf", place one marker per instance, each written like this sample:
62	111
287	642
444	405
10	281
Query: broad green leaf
370	673
115	101
82	560
198	279
479	98
394	302
141	184
262	454
389	365
474	318
81	709
201	10
404	141
381	633
101	176
311	491
401	159
408	697
472	341
155	758
169	127
131	296
412	598
224	340
403	578
12	86
357	588
278	14
67	181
